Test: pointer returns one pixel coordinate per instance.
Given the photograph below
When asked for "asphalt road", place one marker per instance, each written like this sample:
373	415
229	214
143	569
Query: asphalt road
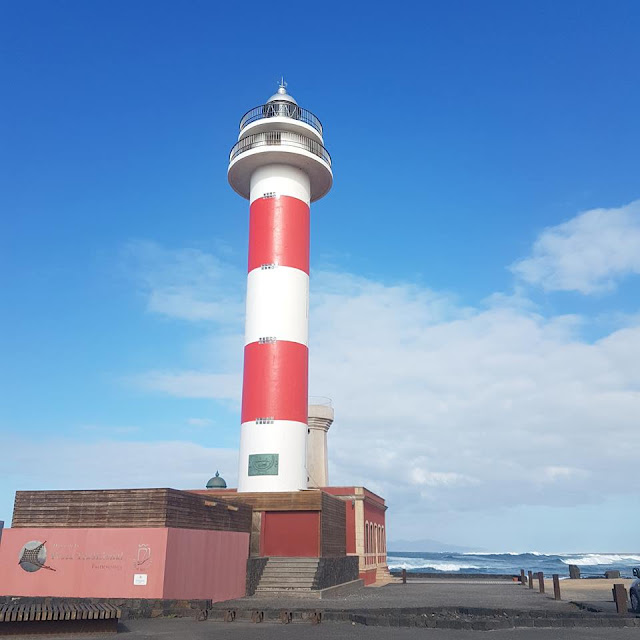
188	629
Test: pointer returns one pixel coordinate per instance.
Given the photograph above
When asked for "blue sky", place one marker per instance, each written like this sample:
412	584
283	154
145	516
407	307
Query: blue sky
475	291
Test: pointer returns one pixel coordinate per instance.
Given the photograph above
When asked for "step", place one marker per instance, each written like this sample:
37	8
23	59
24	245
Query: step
283	589
293	560
288	585
288	576
295	569
287	579
282	565
283	571
291	564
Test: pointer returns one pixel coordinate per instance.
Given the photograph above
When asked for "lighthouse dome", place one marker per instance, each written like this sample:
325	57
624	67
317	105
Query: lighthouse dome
216	482
282	96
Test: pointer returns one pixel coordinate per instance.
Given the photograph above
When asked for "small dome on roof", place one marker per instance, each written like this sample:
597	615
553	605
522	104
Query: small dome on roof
216	482
282	95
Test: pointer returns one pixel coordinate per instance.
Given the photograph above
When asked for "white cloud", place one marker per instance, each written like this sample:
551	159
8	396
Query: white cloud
554	474
107	464
200	422
192	384
420	476
187	284
444	407
471	408
589	253
96	428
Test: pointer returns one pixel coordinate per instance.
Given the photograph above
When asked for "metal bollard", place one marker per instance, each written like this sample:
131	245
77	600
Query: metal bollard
285	616
404	576
541	581
257	616
530	574
556	587
620	598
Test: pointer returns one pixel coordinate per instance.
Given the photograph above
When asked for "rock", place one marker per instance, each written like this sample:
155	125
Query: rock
614	573
574	571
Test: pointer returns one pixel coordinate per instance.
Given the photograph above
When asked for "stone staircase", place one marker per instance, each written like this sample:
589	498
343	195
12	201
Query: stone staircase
383	577
287	575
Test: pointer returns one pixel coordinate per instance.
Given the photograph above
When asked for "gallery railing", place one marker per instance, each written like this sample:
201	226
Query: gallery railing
281	108
279	138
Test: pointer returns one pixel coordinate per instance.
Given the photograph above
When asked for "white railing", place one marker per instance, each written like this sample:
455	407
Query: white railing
279	138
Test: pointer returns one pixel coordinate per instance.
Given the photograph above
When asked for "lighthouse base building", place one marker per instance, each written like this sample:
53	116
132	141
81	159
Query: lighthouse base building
204	544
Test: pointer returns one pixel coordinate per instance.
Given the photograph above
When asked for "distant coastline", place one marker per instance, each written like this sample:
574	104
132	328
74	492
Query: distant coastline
429	546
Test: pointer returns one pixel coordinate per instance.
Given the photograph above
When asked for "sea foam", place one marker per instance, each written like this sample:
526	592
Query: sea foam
413	564
594	559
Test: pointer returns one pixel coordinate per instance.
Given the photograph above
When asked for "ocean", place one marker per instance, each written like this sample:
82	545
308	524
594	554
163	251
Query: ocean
591	564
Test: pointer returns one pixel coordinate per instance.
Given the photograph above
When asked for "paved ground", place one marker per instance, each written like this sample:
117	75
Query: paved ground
471	593
493	594
593	592
187	629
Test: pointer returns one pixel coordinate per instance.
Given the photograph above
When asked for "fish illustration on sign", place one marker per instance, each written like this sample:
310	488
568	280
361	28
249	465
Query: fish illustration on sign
32	556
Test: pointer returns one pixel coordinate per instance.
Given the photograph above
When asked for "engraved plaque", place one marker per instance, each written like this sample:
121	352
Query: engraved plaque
263	464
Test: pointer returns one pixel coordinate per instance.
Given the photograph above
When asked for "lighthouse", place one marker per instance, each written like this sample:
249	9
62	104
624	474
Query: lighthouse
281	166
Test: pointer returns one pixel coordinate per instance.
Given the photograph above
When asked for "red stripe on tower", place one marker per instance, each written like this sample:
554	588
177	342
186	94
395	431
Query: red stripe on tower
275	383
279	233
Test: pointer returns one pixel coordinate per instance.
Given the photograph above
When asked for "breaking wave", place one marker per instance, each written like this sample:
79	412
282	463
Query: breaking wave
510	563
414	564
502	553
594	559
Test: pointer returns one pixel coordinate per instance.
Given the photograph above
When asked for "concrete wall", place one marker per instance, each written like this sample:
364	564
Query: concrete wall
333	571
124	563
205	564
89	563
255	568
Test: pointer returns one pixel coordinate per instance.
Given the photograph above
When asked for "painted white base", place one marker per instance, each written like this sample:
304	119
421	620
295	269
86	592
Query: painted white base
277	305
286	438
281	179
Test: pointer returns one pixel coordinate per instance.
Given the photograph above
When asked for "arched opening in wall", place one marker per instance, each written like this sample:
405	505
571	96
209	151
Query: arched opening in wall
366	537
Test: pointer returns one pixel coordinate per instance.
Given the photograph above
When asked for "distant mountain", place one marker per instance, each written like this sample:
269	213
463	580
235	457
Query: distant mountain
433	546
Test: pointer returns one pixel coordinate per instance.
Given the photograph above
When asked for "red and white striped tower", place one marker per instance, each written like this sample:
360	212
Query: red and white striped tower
280	165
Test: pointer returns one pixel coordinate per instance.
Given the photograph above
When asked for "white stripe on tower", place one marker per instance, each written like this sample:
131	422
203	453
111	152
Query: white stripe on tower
291	181
275	394
277	304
